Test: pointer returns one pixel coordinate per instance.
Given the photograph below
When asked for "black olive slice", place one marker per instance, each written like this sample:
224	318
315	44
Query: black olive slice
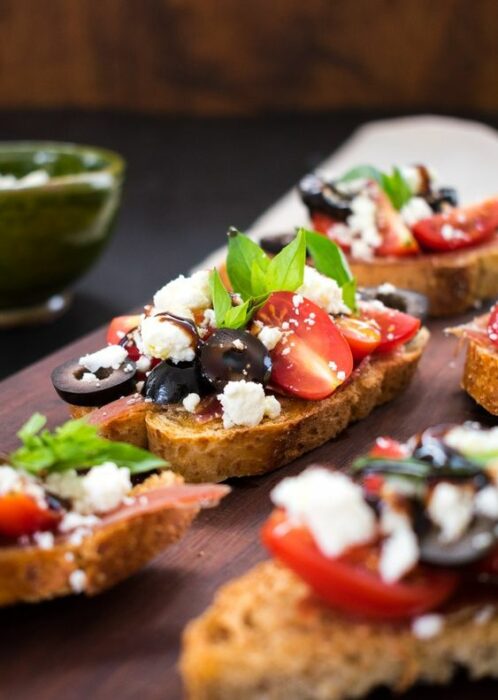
479	539
441	197
171	383
405	300
70	383
231	355
326	197
274	244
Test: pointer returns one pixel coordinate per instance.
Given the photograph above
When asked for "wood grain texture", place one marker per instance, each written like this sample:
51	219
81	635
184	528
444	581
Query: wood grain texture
124	643
234	57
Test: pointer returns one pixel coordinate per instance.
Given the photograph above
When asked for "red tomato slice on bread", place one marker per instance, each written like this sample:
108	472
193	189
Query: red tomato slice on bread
459	227
388	448
326	225
493	325
21	515
363	336
119	327
351	582
313	358
395	326
397	239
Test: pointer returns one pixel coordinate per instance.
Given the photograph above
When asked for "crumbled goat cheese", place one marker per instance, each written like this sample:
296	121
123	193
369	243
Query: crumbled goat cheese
386	288
451	508
143	364
427	626
208	319
111	357
99	491
44	540
75	521
191	401
33	179
399	554
244	403
363	224
77	580
10	480
450	233
330	505
415	210
270	337
323	291
486	502
272	407
469	440
185	294
89	377
166	340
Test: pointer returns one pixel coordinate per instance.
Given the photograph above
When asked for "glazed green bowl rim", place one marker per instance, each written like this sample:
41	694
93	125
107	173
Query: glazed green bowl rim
114	163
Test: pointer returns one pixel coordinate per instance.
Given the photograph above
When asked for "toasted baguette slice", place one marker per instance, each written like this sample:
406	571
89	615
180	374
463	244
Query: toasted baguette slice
480	375
453	282
109	554
266	636
208	452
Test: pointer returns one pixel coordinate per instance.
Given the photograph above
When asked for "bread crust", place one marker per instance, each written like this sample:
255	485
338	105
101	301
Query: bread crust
266	636
108	555
208	452
480	375
453	282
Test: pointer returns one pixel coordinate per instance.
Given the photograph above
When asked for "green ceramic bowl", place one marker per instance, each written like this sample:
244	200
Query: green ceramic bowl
54	224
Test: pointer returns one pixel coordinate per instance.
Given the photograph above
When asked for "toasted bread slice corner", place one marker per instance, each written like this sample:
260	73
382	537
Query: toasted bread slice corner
480	375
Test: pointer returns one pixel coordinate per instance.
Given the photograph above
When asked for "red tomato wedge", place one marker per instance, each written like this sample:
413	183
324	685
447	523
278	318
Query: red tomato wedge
389	449
165	497
396	327
493	325
119	327
350	582
397	238
313	358
459	227
363	336
21	515
326	225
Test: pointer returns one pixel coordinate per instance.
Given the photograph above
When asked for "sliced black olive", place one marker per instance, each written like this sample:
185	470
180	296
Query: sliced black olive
479	539
171	383
109	384
231	355
441	197
274	244
446	462
326	197
404	300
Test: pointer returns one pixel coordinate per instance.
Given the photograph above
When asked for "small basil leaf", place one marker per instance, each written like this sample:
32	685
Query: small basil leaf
286	270
366	172
330	261
349	294
242	253
396	187
222	301
258	280
238	316
32	426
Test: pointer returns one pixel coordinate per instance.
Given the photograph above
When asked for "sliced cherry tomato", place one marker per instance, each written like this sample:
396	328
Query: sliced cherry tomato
459	227
326	225
313	358
396	327
363	336
21	515
373	483
351	582
117	333
493	325
388	448
397	238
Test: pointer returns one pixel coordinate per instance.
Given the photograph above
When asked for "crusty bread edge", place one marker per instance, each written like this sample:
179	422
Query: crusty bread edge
480	375
108	555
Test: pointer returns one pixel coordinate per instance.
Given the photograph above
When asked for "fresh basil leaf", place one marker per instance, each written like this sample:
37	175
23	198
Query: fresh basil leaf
32	426
258	280
238	316
242	253
330	261
286	270
366	172
222	302
125	455
396	187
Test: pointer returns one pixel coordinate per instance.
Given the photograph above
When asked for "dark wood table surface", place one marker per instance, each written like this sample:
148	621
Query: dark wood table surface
125	643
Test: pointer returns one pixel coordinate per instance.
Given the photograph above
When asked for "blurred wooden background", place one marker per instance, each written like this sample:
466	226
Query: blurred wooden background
249	56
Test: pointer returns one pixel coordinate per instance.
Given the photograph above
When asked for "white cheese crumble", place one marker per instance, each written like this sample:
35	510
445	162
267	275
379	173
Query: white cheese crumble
451	508
75	521
363	224
77	580
450	233
245	404
10	480
427	626
270	337
415	210
322	291
143	364
486	502
111	357
469	440
185	294
191	401
386	288
272	407
399	554
166	340
99	491
44	540
330	505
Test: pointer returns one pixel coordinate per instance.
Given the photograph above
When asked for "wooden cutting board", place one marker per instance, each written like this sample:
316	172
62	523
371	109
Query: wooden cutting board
125	643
